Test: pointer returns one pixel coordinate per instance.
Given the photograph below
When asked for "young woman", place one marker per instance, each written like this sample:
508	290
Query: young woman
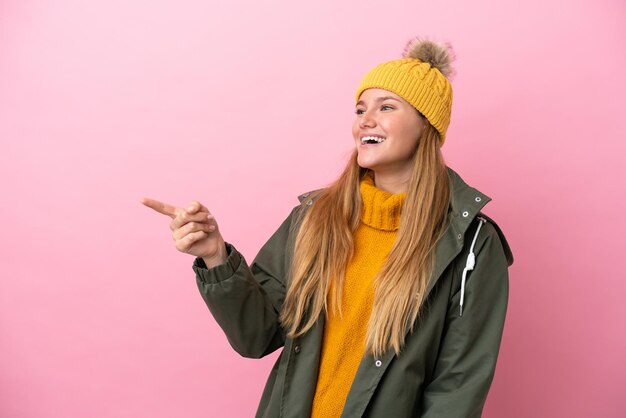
388	289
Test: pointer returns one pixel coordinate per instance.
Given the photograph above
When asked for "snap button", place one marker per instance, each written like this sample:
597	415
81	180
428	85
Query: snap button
465	214
459	236
310	202
306	195
478	199
378	363
296	349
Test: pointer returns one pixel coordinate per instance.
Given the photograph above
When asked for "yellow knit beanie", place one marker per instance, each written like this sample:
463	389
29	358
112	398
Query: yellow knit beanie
420	78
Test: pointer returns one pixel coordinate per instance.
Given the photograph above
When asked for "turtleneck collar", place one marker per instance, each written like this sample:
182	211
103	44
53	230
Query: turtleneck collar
381	209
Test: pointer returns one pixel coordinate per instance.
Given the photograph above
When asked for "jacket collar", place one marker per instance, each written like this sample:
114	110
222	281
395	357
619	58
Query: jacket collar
466	202
465	205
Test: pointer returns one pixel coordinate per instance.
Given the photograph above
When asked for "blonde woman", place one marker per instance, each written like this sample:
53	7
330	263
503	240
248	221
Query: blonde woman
388	289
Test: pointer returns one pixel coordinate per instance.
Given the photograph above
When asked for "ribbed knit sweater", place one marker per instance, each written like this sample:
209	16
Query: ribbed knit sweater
343	344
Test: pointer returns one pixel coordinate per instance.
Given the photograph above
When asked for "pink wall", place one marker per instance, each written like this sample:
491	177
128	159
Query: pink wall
245	104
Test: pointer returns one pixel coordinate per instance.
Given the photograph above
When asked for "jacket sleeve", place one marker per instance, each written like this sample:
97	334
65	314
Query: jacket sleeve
469	349
246	300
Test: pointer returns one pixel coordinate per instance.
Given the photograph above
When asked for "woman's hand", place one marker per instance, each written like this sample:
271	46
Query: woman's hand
194	230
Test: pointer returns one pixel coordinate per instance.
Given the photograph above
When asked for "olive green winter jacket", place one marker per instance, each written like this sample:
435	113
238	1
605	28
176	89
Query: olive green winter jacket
448	362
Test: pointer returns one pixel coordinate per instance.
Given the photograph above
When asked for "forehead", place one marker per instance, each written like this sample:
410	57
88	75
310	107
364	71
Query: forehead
378	95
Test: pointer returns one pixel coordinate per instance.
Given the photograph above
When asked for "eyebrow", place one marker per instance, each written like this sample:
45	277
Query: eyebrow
379	99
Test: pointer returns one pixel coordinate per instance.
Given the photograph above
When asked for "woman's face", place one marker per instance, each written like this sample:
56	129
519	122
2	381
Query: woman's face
396	127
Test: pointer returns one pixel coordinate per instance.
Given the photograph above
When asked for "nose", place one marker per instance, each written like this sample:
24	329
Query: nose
367	121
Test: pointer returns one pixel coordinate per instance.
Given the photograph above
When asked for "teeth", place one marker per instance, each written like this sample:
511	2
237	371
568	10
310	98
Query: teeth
372	138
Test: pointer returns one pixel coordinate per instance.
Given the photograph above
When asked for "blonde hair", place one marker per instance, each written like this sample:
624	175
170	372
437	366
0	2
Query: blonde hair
324	245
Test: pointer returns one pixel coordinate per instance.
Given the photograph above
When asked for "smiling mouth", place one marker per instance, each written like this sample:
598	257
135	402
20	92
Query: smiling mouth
372	140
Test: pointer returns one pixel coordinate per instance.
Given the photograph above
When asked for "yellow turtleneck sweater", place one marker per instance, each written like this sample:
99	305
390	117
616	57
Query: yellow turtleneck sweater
344	338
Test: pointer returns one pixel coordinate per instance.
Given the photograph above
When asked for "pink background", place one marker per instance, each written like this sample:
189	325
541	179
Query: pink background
245	104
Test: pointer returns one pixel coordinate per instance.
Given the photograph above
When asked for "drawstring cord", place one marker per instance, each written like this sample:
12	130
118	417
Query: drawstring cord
471	261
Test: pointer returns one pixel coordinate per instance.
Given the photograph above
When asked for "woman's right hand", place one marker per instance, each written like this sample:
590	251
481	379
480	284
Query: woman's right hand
194	230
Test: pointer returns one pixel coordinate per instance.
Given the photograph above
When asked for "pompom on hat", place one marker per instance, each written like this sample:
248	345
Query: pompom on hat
420	78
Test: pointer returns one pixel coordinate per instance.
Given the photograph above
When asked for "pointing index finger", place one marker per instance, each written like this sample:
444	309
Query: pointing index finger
160	207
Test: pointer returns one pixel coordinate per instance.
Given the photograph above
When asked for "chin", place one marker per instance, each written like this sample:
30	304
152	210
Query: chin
362	163
366	164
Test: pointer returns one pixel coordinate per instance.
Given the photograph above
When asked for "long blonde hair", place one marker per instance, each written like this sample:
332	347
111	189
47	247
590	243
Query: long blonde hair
324	245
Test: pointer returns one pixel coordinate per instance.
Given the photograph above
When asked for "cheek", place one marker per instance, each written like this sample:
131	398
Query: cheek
410	138
411	129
